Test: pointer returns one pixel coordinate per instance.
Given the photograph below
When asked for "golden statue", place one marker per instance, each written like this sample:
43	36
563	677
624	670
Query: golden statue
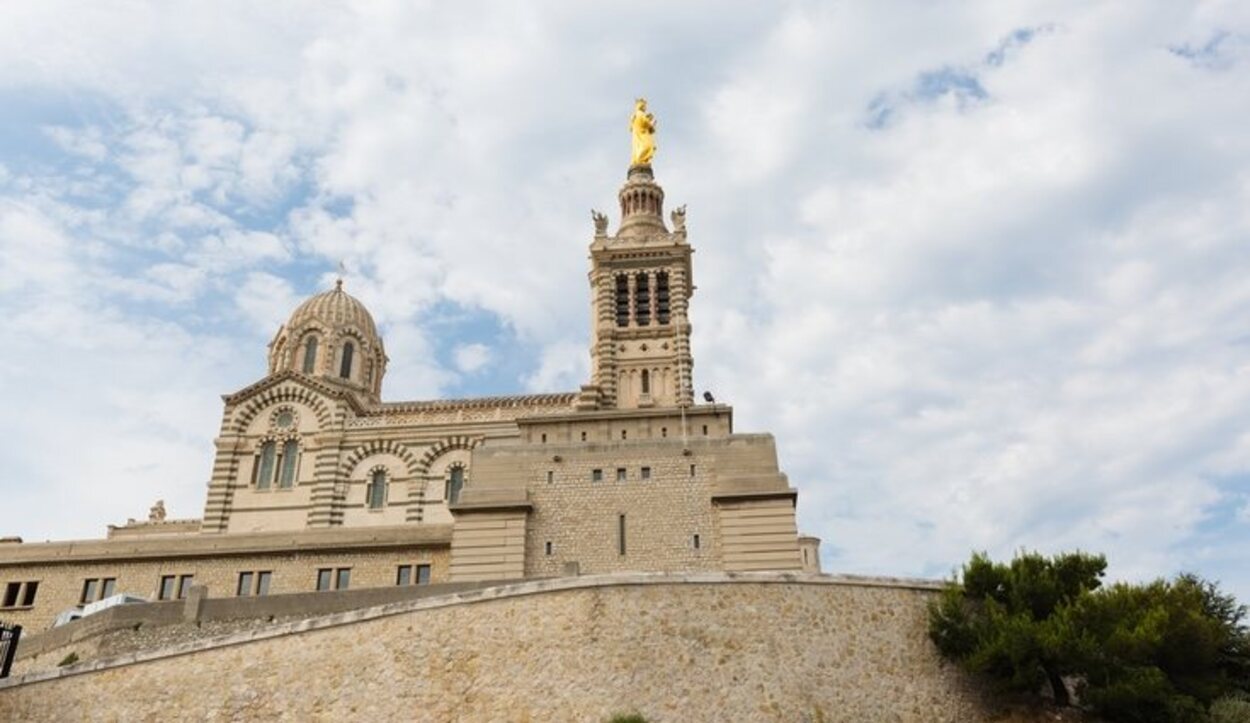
642	125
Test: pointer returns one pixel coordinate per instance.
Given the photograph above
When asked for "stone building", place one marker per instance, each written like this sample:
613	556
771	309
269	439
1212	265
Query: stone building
319	484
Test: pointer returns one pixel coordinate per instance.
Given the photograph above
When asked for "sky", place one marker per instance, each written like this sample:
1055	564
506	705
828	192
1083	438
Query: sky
982	268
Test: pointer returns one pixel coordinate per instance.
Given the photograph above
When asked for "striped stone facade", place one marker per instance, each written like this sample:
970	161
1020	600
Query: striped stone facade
313	471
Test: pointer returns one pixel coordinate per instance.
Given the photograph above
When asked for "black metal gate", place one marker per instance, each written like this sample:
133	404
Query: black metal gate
9	635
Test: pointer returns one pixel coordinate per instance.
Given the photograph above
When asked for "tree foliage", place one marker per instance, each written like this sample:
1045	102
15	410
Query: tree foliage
1162	651
1002	620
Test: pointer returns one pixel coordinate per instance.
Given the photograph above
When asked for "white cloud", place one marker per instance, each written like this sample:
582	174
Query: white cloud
266	300
1010	315
471	358
562	366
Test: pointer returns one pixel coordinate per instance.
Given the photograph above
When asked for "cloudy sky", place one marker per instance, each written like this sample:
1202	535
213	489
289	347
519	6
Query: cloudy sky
982	268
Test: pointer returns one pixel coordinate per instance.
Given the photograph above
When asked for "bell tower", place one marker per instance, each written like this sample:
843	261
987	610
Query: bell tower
640	281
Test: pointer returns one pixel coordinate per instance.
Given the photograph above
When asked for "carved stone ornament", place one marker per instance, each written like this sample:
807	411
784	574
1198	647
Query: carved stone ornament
284	419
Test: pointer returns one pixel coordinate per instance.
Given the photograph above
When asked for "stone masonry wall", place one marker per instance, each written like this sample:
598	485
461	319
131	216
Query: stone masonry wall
689	648
580	517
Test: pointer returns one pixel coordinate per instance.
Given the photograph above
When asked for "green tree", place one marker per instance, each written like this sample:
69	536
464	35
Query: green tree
1162	651
1159	652
1002	622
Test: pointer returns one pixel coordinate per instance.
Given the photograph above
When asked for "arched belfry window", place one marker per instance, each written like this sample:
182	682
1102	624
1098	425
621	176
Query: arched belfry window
646	382
622	300
642	299
345	367
376	493
455	484
310	355
289	466
661	298
264	465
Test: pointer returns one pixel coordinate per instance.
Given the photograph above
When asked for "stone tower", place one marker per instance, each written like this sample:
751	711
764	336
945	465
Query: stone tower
640	280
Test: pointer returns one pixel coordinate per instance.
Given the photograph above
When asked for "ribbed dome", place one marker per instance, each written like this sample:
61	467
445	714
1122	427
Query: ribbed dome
334	308
332	336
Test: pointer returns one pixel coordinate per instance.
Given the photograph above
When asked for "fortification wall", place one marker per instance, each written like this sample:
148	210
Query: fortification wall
690	647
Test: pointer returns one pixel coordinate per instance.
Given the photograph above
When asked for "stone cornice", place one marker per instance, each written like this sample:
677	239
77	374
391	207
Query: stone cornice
313	383
559	399
697	410
360	408
214	545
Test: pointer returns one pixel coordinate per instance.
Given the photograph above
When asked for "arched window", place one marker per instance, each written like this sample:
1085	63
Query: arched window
377	490
264	466
290	460
646	382
661	298
310	355
622	300
455	483
345	368
642	299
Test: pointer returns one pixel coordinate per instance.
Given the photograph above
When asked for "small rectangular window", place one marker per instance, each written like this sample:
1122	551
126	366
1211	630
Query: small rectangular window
551	476
544	438
28	595
263	579
548	548
324	578
621	474
107	587
89	588
663	431
705	430
11	591
620	524
645	473
184	585
244	587
624	434
423	574
596	475
692	470
167	588
696	541
343	578
583	436
403	575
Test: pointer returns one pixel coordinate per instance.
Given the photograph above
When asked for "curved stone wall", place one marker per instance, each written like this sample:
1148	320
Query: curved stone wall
693	647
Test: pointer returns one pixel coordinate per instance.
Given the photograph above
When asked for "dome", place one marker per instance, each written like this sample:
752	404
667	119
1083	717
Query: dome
332	336
334	308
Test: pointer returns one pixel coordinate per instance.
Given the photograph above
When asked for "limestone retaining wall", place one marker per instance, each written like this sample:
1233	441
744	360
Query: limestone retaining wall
689	647
134	627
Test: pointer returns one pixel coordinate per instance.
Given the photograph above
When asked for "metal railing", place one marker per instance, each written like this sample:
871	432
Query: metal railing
9	636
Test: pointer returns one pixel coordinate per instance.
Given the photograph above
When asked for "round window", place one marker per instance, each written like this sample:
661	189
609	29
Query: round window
284	419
